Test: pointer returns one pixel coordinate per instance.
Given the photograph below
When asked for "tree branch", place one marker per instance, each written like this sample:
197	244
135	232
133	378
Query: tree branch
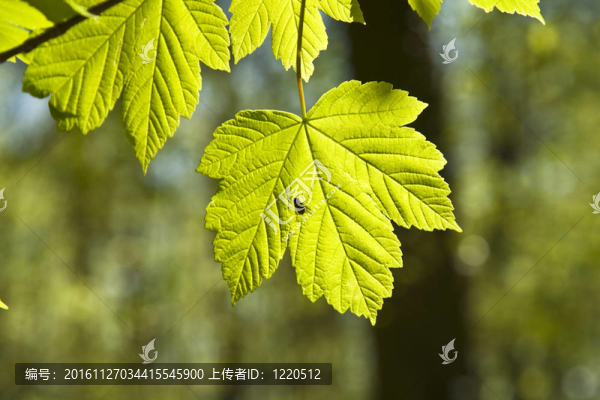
57	30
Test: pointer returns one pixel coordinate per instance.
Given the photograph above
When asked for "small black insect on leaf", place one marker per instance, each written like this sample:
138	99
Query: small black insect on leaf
298	204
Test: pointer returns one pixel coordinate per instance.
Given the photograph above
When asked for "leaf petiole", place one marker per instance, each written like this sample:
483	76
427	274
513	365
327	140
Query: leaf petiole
299	59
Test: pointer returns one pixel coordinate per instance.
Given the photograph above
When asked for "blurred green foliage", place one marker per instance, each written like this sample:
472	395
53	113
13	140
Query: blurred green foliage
521	113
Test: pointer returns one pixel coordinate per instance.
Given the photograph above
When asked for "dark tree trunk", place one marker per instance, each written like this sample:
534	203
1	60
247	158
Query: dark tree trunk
425	311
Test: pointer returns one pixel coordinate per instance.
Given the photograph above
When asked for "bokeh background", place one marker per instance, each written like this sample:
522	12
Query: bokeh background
97	259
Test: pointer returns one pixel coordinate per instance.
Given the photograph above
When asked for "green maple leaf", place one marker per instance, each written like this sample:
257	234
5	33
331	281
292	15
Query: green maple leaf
18	21
251	20
528	8
148	50
428	9
343	245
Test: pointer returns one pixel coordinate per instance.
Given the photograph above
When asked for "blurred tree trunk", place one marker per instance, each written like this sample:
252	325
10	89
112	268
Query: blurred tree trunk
425	311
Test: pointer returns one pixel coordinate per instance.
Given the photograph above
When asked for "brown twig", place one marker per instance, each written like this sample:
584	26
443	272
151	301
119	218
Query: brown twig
57	30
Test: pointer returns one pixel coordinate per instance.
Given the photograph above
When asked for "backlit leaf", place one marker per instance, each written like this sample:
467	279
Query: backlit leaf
342	245
428	9
146	50
251	20
528	8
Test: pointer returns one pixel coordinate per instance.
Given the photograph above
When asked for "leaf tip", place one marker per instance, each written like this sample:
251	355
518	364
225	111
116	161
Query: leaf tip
455	227
144	165
203	166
